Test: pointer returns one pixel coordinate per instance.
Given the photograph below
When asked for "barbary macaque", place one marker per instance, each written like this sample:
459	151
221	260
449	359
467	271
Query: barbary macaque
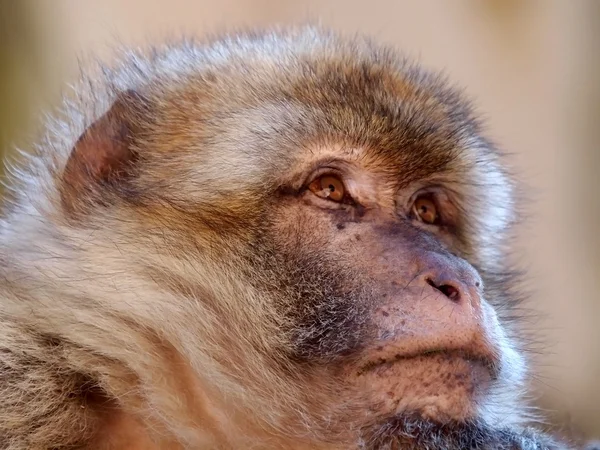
274	240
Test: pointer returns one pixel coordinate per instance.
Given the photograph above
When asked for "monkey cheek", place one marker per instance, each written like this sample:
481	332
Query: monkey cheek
437	388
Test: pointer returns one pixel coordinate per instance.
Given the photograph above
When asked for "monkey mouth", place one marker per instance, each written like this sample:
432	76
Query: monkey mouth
489	363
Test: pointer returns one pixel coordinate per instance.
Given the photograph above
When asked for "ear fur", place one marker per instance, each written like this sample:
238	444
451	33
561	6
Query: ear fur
104	155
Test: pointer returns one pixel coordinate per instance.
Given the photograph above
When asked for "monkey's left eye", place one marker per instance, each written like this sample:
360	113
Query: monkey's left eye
329	187
425	210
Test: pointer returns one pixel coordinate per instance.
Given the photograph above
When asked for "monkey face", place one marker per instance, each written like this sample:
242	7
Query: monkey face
323	228
379	296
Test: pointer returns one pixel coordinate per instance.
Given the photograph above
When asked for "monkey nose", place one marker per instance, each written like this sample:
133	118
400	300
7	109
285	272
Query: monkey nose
457	281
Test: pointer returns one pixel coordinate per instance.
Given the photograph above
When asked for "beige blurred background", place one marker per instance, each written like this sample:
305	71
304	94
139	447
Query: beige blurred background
532	66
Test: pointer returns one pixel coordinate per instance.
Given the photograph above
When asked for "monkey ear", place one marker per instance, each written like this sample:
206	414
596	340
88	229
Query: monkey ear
104	155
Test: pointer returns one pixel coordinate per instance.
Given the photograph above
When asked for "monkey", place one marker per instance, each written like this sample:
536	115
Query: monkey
275	239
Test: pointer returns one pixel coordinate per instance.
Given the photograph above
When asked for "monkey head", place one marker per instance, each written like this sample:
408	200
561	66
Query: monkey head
306	232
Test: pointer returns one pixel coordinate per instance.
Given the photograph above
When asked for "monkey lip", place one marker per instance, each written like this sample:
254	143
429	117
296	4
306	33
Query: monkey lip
488	362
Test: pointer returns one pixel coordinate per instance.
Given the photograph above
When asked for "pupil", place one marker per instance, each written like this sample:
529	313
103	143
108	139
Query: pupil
331	187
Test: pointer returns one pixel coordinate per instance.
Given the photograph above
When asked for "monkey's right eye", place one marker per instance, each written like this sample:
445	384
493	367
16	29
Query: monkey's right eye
329	187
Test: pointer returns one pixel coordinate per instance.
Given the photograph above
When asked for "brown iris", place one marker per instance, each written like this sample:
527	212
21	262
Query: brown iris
425	210
329	187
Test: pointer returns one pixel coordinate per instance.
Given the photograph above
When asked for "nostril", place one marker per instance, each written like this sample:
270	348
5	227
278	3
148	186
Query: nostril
448	290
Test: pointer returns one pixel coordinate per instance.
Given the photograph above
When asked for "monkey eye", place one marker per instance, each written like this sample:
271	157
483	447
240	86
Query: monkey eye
329	187
425	210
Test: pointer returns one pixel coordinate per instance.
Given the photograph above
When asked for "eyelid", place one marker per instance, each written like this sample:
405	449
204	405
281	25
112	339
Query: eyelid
322	171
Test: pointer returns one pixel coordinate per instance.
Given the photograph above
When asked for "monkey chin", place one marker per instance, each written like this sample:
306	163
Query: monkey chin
438	387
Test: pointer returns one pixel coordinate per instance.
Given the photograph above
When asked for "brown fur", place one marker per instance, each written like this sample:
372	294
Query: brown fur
166	282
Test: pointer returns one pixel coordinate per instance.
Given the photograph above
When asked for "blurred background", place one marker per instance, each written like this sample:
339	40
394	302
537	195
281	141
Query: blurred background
533	68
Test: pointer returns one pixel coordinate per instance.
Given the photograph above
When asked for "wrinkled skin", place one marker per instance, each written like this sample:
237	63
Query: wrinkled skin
397	327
